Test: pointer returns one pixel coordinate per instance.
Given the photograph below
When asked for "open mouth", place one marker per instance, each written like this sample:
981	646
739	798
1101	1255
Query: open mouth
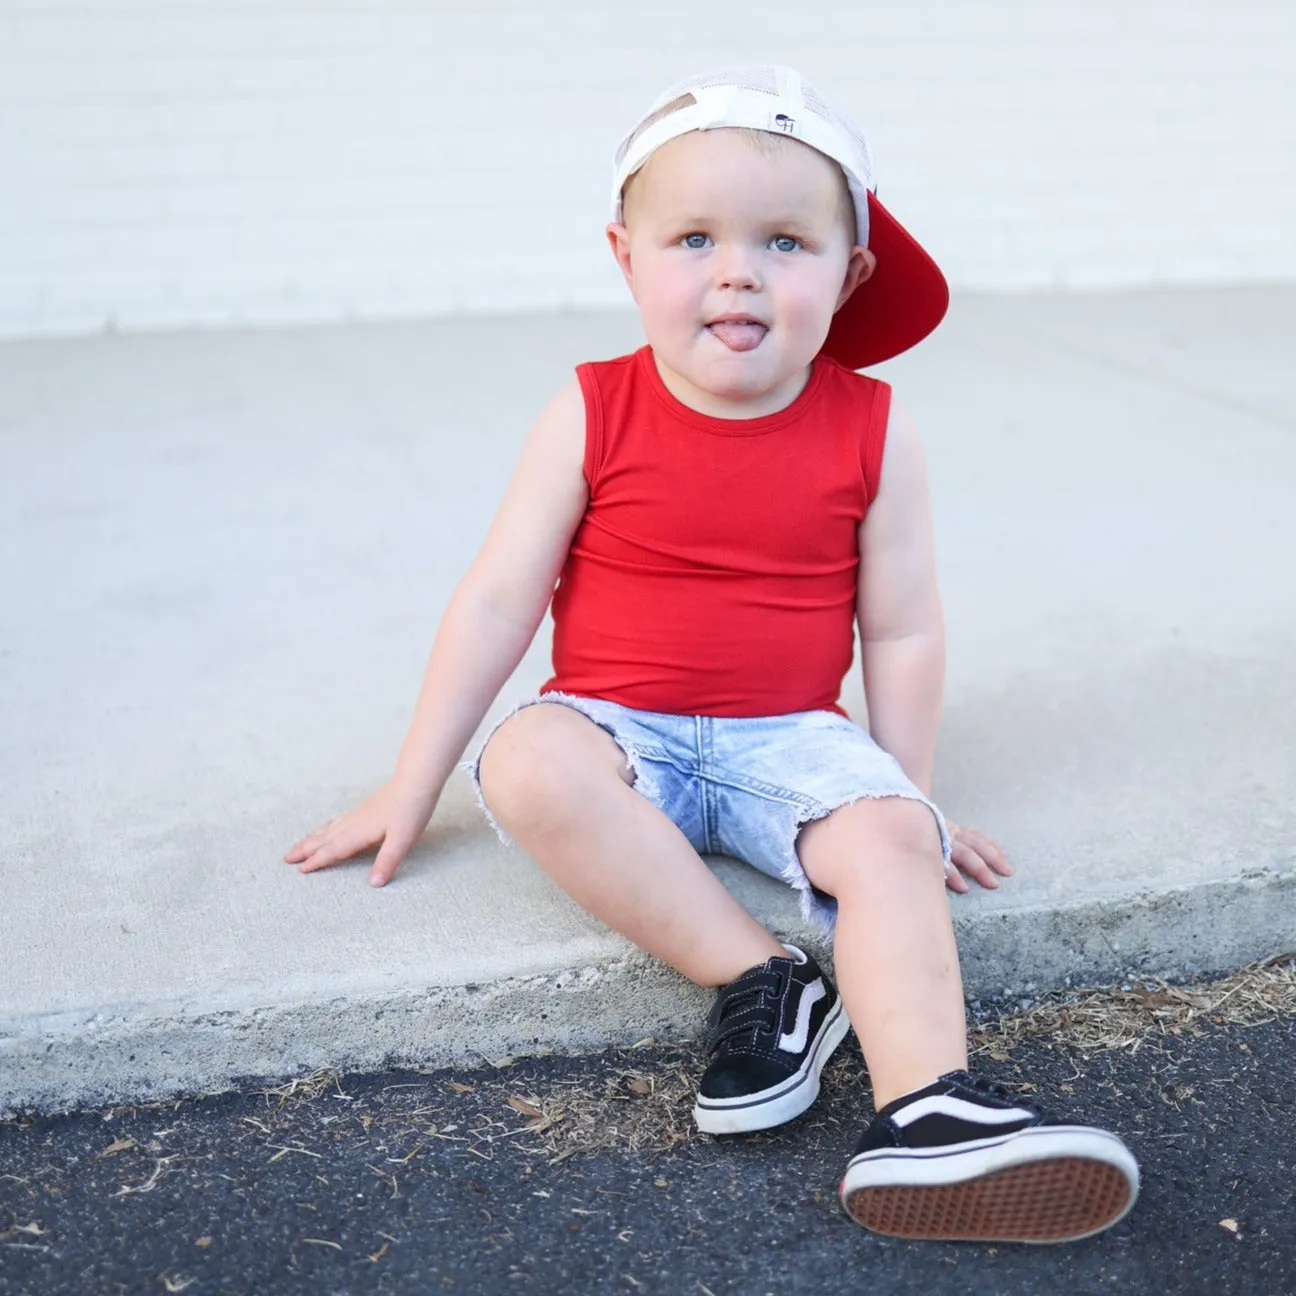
738	332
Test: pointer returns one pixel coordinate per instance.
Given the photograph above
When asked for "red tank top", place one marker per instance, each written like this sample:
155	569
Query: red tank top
714	571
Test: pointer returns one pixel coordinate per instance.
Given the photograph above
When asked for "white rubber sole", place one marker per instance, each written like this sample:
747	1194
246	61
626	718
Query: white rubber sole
1046	1184
782	1103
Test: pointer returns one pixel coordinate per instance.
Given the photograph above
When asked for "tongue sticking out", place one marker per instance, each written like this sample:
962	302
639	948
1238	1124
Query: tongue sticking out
738	335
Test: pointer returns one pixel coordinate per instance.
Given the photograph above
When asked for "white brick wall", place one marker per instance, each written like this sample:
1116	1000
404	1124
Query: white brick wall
170	162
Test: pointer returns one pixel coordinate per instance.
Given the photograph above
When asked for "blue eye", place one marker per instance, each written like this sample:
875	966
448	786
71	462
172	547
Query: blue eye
785	243
694	241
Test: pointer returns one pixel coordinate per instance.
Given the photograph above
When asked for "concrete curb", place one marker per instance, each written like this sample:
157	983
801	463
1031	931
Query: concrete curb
224	556
152	1052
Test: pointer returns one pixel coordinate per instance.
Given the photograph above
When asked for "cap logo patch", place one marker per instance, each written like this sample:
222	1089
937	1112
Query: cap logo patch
785	123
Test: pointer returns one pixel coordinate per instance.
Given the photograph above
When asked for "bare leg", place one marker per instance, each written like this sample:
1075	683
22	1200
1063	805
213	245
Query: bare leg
561	787
897	963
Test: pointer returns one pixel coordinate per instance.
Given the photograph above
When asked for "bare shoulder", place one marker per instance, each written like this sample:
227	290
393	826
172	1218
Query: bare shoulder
559	429
902	487
553	451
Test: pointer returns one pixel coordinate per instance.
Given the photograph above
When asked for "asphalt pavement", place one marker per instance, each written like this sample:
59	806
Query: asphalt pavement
493	1180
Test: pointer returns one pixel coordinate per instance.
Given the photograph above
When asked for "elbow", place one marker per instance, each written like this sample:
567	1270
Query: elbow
932	632
510	605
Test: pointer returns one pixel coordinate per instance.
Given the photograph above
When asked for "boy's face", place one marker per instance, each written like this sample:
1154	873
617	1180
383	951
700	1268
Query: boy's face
738	252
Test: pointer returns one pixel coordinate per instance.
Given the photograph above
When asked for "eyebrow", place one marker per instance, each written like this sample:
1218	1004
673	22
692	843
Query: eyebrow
799	224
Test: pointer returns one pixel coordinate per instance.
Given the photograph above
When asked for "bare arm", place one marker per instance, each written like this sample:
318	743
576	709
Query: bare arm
486	628
498	605
902	635
902	632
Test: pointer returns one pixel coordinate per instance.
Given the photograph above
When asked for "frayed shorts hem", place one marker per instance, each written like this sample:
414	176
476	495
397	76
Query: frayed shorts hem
743	787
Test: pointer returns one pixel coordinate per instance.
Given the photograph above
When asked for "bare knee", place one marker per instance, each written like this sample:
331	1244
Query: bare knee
864	842
540	761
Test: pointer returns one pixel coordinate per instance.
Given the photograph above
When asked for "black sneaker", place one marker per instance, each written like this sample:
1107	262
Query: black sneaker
769	1035
964	1159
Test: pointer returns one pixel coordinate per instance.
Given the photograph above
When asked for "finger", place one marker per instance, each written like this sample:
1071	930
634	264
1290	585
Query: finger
988	849
389	859
954	880
300	849
317	860
975	867
338	847
309	846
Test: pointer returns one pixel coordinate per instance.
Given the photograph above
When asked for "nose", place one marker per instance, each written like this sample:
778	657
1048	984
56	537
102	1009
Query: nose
735	268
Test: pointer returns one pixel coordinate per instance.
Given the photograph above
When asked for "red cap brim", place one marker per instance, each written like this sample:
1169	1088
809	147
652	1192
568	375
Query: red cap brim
904	298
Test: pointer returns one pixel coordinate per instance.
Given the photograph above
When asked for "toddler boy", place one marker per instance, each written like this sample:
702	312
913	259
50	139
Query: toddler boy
718	511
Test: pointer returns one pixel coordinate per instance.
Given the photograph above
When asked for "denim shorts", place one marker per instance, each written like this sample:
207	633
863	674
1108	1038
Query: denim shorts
744	787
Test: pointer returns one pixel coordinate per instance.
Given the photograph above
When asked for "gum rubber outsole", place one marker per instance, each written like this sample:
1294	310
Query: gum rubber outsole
1054	1200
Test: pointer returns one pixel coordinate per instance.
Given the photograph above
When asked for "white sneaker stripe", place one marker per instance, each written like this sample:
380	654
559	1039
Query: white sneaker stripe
959	1109
794	1041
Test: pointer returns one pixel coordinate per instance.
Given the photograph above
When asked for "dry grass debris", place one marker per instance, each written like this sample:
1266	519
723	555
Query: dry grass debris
650	1109
640	1099
1091	1020
638	1110
647	1108
305	1088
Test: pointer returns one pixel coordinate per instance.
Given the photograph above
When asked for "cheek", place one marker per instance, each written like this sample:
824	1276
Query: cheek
809	297
668	291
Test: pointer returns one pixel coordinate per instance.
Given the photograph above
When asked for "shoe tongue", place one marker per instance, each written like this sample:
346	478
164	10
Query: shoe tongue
796	955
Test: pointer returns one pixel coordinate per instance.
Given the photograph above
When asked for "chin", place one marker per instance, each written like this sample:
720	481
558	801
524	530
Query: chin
734	386
751	374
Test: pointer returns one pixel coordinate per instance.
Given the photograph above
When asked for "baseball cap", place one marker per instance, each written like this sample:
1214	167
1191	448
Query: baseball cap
906	296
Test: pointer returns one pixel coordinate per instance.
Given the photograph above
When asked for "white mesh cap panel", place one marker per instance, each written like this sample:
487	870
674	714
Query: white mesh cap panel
753	97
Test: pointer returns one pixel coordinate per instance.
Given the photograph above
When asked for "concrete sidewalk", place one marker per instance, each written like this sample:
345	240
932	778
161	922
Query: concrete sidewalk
223	557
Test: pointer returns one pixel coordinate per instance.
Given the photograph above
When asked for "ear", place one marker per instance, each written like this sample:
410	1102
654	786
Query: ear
861	265
619	239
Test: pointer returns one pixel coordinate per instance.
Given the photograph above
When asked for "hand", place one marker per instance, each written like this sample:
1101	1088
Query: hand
391	819
977	856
